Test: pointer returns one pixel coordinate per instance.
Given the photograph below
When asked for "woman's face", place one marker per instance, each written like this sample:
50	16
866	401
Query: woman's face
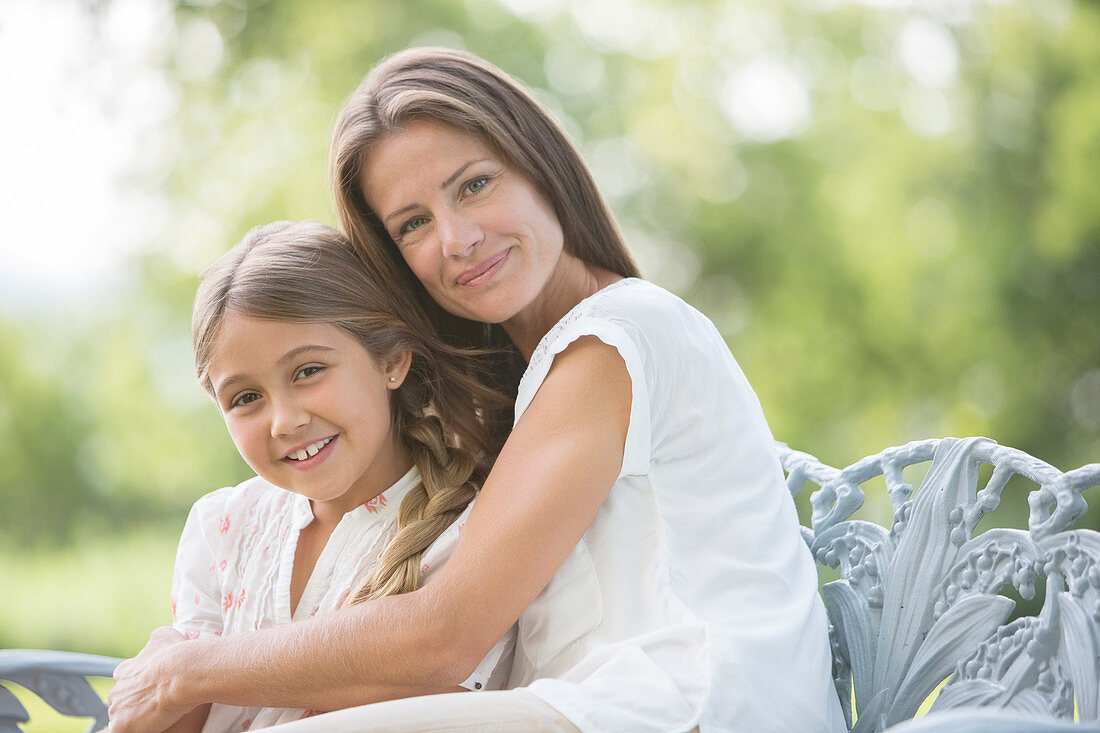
475	231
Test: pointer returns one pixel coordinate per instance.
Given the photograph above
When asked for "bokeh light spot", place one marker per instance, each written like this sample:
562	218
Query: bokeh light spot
766	101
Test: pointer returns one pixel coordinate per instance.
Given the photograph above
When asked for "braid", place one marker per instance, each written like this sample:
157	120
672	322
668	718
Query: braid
448	483
436	416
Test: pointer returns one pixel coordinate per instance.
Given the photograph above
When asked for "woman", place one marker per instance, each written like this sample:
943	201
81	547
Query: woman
635	525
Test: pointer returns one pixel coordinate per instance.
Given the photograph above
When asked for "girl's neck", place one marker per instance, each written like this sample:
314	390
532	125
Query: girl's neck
313	538
329	513
571	282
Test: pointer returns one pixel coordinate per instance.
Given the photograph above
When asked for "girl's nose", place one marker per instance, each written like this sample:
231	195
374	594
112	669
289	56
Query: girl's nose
287	417
459	235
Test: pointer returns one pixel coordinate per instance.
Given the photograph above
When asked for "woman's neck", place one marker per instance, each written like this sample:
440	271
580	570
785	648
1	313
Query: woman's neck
571	282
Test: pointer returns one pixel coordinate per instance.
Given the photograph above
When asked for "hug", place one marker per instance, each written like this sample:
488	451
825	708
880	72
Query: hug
503	482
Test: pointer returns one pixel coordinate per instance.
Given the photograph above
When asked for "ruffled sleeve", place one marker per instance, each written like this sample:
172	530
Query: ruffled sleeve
196	592
580	322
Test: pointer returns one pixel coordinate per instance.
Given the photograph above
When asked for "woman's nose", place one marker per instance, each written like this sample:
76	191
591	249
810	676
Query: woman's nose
459	235
287	416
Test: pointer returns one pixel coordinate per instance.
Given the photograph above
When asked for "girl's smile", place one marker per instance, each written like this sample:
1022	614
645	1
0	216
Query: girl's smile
308	456
309	409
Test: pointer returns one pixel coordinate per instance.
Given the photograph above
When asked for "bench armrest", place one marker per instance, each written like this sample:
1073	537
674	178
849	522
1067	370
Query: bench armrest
59	678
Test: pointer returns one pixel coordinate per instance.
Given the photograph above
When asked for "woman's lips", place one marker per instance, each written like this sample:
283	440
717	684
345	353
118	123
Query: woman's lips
483	272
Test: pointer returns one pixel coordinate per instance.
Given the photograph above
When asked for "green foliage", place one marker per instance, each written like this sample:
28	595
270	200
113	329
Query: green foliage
103	595
917	254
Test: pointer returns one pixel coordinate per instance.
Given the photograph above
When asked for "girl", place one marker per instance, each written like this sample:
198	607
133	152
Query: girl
635	523
366	464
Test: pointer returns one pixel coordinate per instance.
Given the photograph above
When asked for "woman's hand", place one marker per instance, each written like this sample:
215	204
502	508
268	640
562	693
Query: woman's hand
139	702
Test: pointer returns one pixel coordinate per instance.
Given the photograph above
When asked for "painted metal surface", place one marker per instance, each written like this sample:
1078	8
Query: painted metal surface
924	600
59	678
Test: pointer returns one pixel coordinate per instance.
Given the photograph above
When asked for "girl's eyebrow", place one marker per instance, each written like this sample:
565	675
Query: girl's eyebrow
308	347
288	356
451	179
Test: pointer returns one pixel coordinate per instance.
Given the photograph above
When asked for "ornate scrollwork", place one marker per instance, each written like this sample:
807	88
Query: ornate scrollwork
920	601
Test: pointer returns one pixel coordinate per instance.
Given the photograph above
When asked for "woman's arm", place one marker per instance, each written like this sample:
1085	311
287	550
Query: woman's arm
553	474
192	722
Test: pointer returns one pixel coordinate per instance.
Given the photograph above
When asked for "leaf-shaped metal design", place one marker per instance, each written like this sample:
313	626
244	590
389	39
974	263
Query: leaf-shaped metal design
965	694
60	679
922	598
1080	650
953	635
923	556
855	635
12	712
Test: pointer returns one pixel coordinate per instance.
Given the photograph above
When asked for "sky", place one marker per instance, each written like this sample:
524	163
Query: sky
84	102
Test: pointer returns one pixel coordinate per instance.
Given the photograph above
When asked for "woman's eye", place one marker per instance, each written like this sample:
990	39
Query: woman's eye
411	225
475	185
308	371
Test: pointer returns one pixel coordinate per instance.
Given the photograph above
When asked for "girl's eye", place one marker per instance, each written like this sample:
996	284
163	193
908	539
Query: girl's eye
475	185
308	371
246	398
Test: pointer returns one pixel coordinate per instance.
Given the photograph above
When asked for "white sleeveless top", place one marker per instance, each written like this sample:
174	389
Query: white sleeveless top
692	598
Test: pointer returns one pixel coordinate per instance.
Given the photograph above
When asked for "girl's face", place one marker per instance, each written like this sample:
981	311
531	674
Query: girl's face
476	232
308	408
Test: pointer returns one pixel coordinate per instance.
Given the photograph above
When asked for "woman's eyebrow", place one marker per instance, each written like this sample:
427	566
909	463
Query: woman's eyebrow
450	179
457	173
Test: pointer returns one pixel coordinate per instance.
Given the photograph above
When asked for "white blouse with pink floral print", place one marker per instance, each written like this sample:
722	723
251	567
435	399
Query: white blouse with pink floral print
234	564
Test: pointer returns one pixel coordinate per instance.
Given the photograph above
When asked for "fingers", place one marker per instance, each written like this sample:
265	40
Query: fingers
164	636
136	702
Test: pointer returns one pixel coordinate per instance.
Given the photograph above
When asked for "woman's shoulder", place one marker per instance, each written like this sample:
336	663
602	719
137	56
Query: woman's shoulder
626	303
630	315
640	320
649	316
632	295
640	304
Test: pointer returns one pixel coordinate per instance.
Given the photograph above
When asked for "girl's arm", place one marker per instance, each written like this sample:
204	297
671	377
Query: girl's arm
553	474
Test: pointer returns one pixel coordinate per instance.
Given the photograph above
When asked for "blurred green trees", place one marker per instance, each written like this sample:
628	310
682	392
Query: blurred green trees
888	209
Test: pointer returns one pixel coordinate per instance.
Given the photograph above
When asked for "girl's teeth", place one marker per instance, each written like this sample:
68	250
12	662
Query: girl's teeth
310	450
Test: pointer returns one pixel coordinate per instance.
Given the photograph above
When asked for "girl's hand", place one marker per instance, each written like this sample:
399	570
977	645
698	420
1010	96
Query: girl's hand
139	701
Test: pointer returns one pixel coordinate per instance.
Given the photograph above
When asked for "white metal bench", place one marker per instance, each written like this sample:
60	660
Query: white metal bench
920	601
915	603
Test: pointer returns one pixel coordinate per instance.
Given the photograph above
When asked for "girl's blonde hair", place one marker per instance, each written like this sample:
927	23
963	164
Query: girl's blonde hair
308	272
468	93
